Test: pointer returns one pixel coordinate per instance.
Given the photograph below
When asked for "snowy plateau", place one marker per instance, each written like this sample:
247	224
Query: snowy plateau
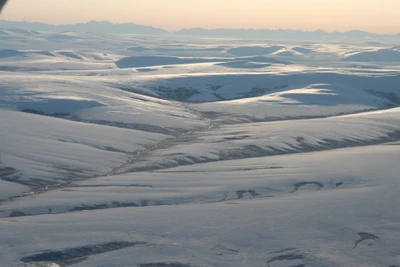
178	151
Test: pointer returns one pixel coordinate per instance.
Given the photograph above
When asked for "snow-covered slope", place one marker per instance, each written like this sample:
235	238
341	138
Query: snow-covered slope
254	50
93	99
42	151
323	209
275	138
381	55
129	150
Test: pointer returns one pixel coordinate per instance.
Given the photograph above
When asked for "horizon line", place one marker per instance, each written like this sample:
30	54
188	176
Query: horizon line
200	28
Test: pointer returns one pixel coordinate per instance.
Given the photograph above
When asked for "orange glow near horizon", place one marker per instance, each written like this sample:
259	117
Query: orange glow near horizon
380	16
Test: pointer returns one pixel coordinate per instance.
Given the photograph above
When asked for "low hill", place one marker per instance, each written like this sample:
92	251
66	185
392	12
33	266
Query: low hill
381	55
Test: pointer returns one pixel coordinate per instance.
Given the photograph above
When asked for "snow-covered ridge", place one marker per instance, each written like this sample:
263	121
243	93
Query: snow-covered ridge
60	150
381	55
249	140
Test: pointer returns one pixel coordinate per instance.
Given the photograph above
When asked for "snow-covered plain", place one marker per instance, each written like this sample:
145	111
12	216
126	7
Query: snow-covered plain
175	151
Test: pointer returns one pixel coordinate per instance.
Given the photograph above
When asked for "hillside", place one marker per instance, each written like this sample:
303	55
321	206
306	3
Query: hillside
183	151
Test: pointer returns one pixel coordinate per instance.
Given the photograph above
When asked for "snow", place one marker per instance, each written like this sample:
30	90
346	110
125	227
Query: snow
9	189
149	61
93	99
273	138
61	149
287	53
244	231
302	50
254	50
385	55
131	150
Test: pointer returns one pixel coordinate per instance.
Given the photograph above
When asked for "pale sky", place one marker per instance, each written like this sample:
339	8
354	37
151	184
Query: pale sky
380	16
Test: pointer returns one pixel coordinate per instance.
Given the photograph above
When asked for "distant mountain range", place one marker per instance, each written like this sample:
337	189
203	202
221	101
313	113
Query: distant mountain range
131	28
286	34
91	26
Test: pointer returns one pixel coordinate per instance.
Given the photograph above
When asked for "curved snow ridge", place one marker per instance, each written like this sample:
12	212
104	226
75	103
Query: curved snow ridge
24	61
214	87
313	101
380	55
302	50
172	49
253	62
150	61
249	140
288	53
70	55
60	37
6	53
254	50
79	55
243	64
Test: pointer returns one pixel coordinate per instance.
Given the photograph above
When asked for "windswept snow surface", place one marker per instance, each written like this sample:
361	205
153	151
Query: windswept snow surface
130	150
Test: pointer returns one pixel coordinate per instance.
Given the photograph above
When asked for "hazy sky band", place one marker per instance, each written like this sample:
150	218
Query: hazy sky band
381	16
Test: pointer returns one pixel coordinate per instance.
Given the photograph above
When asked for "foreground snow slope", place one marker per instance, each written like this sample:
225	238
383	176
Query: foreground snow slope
312	210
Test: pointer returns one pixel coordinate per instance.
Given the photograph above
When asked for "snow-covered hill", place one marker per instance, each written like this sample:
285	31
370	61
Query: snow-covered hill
129	150
381	55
